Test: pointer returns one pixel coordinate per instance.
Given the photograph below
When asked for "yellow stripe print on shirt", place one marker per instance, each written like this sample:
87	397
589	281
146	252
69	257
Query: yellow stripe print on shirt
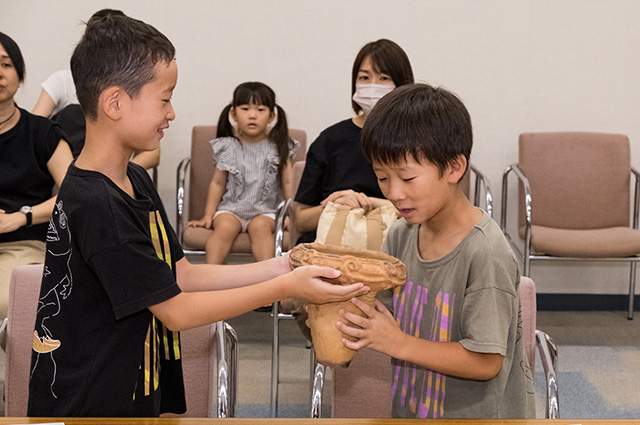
165	342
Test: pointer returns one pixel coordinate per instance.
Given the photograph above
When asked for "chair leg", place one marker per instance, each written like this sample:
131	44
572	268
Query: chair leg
318	385
275	359
231	347
227	356
549	359
632	289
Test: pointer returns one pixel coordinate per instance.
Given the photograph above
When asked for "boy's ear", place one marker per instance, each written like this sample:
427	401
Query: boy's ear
110	102
457	169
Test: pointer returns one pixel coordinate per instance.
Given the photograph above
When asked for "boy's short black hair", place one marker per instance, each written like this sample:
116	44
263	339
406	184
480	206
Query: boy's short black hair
420	121
12	49
116	50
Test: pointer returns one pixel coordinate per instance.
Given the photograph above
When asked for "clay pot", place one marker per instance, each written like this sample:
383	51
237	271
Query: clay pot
375	269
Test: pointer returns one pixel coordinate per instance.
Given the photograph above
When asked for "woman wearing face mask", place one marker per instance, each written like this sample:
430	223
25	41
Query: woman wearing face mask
335	168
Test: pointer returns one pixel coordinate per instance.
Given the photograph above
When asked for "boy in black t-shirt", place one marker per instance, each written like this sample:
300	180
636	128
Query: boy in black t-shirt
116	286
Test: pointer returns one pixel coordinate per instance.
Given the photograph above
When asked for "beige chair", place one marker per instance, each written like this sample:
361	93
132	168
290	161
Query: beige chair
199	166
574	200
364	388
209	354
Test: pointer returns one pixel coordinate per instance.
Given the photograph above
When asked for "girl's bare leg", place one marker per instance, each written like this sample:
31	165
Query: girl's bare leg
261	232
225	229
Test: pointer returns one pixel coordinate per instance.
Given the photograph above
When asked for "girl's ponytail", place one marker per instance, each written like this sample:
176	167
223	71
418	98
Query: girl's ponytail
279	135
225	129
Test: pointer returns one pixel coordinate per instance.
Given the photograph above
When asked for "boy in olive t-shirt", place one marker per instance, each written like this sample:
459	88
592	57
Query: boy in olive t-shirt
455	331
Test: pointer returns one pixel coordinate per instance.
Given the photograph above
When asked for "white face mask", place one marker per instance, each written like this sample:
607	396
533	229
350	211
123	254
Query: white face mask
367	95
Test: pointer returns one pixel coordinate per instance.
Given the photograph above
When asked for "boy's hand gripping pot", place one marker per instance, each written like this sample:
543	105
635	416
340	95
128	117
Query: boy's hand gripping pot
375	269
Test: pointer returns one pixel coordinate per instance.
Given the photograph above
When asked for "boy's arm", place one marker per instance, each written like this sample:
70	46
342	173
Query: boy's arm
187	309
213	277
214	194
380	331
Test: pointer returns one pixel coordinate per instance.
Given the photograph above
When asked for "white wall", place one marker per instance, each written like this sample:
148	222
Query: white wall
518	65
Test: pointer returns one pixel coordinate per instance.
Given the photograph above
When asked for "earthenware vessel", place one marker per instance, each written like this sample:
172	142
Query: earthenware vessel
375	269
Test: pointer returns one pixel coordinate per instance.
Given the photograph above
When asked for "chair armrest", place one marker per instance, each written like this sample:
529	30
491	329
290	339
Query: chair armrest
181	176
636	198
528	212
227	357
482	184
549	359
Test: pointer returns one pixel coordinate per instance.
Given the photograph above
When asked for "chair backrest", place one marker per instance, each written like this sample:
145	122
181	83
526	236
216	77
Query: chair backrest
202	164
577	180
364	388
528	307
24	291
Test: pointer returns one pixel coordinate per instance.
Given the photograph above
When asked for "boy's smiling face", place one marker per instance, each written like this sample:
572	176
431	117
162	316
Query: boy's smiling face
148	114
416	189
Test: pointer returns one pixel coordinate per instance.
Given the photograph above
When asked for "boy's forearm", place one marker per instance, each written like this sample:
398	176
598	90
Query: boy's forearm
449	358
211	277
188	310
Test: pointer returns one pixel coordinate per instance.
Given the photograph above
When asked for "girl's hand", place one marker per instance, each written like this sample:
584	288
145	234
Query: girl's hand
377	330
205	222
349	198
306	283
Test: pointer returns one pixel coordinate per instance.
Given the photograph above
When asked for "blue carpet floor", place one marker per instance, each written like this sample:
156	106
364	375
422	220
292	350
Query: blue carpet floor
596	382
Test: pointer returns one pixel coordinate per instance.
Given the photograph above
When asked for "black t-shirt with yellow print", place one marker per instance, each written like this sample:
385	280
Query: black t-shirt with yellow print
98	350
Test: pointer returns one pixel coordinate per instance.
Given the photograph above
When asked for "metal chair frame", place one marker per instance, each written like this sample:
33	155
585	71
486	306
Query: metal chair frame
227	355
482	185
549	358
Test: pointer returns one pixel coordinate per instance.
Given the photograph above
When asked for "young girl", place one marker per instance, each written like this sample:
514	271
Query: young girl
252	175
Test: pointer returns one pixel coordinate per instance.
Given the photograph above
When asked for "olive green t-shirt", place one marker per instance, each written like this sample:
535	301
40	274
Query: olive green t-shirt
468	296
